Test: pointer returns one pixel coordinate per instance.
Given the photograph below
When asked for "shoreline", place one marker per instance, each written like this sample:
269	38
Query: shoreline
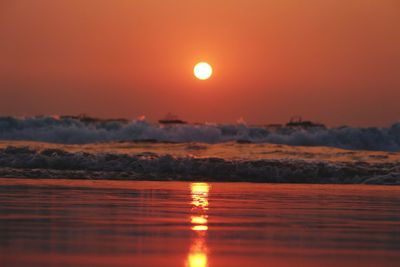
14	173
228	162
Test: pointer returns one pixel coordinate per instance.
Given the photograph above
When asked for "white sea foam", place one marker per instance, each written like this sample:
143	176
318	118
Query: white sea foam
78	131
58	163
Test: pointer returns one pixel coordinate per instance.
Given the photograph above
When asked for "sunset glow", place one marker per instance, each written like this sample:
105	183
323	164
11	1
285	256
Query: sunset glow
202	71
204	133
197	260
199	219
197	256
58	57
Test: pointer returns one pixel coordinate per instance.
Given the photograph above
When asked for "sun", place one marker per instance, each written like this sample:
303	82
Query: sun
202	71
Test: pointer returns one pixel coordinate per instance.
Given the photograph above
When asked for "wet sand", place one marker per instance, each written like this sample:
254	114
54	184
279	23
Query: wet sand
125	223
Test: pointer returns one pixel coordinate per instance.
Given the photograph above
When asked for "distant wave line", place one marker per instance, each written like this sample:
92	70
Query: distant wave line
75	130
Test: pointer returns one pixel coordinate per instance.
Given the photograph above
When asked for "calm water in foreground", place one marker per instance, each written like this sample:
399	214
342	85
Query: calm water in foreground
115	223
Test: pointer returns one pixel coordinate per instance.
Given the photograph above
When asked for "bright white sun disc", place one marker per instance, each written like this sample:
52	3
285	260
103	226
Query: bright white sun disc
202	71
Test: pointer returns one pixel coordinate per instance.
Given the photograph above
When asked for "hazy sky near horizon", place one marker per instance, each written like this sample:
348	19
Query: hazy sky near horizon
333	61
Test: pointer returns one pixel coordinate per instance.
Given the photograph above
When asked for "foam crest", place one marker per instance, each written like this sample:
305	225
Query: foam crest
73	130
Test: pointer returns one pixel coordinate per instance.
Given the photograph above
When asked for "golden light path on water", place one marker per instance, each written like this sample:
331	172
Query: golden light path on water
197	256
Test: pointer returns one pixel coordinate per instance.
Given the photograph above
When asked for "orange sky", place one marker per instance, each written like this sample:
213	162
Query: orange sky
334	61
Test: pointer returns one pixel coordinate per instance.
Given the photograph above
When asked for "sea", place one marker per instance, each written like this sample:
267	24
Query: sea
73	222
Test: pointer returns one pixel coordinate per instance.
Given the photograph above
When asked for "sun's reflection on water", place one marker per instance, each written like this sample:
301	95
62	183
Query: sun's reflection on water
197	256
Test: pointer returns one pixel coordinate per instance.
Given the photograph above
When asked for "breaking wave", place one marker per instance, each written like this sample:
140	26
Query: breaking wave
59	163
75	130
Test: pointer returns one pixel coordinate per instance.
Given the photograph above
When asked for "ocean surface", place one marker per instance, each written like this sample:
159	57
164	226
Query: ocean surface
134	223
228	161
87	130
82	147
